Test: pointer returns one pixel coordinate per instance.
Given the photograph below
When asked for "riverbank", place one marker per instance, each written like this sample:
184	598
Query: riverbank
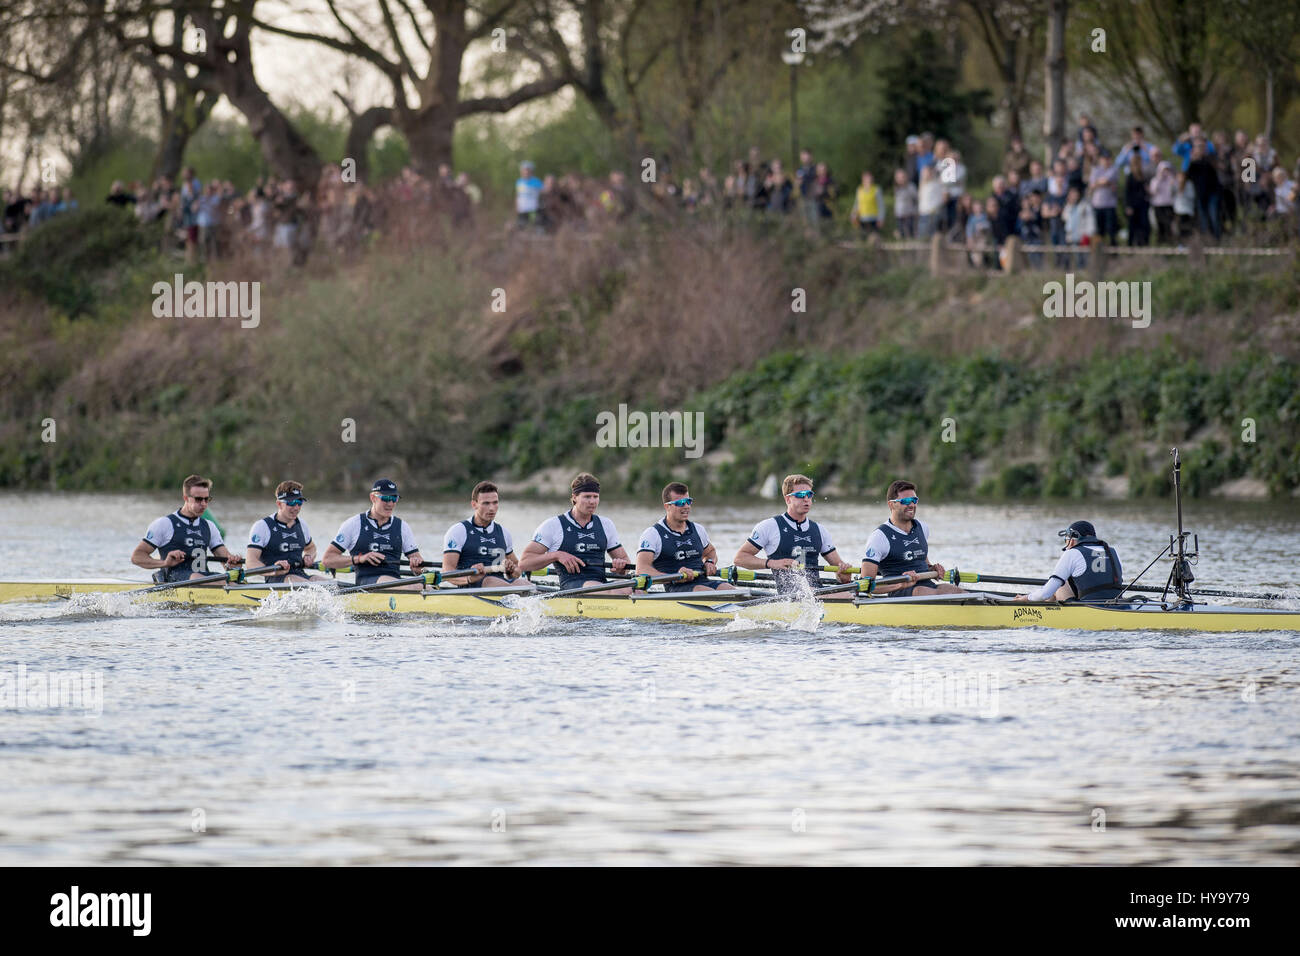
476	354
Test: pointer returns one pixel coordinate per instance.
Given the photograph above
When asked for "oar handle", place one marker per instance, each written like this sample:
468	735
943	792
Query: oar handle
639	582
428	578
233	575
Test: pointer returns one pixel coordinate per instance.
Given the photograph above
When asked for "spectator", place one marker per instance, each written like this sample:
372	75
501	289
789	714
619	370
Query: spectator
930	202
1103	188
925	154
953	176
805	178
960	218
528	197
208	219
1035	182
1136	146
464	184
1017	159
756	180
1054	205
118	196
867	211
1205	180
1085	133
913	153
777	188
1187	141
905	204
1080	223
1284	194
1008	212
1137	208
1184	207
1162	190
259	220
1029	227
824	192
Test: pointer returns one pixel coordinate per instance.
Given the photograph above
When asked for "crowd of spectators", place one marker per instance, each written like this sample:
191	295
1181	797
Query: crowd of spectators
1137	194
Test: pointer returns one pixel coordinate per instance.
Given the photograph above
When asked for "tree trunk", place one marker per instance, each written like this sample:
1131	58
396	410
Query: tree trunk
360	133
179	124
1054	74
1268	104
429	132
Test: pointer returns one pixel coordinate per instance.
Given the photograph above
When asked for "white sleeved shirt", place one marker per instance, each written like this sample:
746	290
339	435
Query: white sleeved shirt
652	539
160	532
878	544
454	540
1072	564
260	533
766	535
350	531
550	533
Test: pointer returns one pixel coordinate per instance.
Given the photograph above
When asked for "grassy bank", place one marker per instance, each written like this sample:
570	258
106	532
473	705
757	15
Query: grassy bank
960	383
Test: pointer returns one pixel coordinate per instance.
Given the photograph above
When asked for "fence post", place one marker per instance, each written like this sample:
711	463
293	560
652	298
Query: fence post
1097	256
936	255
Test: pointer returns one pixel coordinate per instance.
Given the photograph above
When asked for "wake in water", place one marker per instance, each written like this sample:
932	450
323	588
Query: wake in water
530	617
312	601
86	607
800	610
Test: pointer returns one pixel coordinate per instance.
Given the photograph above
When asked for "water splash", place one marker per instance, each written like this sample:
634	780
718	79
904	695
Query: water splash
530	617
309	601
102	604
799	610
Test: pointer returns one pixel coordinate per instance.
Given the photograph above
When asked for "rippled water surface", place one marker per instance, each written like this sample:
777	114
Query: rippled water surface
312	736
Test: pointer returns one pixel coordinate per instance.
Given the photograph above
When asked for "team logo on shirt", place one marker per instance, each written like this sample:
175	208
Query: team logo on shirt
797	539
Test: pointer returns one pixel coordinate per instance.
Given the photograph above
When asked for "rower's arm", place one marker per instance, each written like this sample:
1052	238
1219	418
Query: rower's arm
140	557
225	554
254	557
450	559
870	569
747	557
833	558
336	557
645	562
535	556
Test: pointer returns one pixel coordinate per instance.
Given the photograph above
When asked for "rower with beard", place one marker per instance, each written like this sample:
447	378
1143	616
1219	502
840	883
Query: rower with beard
902	546
184	538
1088	571
793	543
479	542
577	541
674	544
375	541
282	539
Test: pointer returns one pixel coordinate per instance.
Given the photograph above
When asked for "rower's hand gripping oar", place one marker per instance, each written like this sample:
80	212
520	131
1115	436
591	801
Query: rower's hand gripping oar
861	585
234	576
428	578
638	582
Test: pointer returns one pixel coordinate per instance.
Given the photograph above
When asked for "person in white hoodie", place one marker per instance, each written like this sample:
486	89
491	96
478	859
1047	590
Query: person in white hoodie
1162	189
930	201
1080	222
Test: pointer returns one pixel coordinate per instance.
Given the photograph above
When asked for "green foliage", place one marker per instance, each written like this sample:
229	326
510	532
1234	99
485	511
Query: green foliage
75	258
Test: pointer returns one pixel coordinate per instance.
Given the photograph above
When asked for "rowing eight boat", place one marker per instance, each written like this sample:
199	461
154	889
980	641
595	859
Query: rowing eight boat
972	610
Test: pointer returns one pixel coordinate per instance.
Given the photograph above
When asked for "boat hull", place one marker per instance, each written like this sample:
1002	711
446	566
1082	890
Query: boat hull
945	611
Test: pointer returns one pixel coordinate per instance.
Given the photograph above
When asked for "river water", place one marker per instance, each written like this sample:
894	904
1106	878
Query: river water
318	738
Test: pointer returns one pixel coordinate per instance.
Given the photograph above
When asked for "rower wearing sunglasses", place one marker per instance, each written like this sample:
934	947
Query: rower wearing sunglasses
282	539
1088	571
184	538
902	546
375	541
676	545
793	544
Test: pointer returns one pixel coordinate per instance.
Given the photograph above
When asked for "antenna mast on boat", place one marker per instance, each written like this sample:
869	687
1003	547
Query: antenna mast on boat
1181	577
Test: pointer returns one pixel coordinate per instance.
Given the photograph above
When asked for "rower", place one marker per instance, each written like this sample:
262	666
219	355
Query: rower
184	538
479	542
792	541
1089	570
282	539
674	544
576	541
902	546
374	541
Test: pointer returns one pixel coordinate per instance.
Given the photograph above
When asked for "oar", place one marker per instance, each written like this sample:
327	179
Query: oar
733	573
862	585
429	578
639	582
970	577
234	576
